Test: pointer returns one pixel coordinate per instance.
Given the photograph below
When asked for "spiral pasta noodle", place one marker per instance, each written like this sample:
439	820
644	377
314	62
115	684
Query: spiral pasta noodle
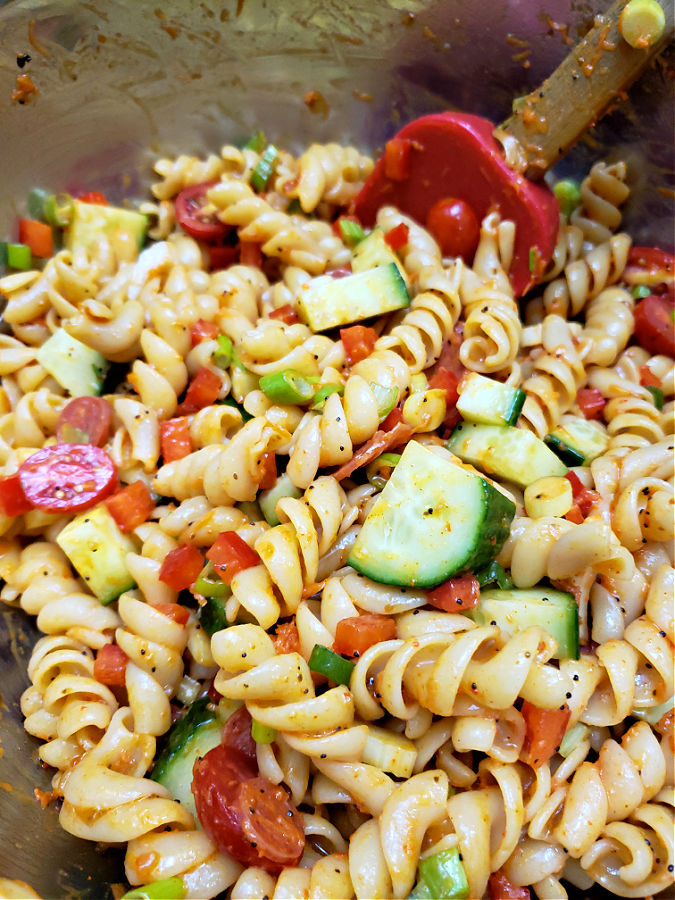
603	191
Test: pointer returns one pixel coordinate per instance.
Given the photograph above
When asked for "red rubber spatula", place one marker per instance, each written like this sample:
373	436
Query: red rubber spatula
456	155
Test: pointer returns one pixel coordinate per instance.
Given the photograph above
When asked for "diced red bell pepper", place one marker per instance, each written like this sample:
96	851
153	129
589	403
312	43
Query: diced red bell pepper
110	665
250	254
500	888
286	638
38	236
574	514
181	567
202	391
267	471
230	555
355	634
130	506
456	594
359	341
175	611
584	497
203	331
397	159
545	729
397	237
591	402
221	256
648	378
175	439
448	381
286	314
13	501
92	197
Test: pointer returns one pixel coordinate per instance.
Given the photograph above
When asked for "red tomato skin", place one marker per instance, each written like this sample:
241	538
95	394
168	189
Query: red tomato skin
591	402
175	439
110	665
131	506
398	236
397	158
67	477
545	728
231	554
267	471
181	567
92	416
286	314
500	888
359	341
648	378
92	197
187	205
649	265
654	324
286	638
250	254
583	497
13	501
203	331
175	611
355	634
237	736
202	391
456	594
454	225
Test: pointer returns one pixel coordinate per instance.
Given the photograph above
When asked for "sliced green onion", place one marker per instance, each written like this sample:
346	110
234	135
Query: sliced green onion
319	399
445	875
351	232
37	198
166	889
657	394
222	356
256	142
236	360
19	256
421	891
294	208
572	739
325	662
210	584
640	291
384	461
652	714
288	387
58	210
230	401
532	259
212	616
494	572
568	195
263	171
385	397
3	253
262	734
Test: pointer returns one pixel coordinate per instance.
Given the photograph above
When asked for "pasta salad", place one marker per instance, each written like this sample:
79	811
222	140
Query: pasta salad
354	569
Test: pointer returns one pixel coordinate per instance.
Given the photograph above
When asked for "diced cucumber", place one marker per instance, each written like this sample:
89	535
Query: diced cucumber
97	549
444	874
76	367
578	441
374	251
515	610
91	220
432	520
269	499
652	714
483	400
389	752
213	616
191	737
573	738
511	453
339	301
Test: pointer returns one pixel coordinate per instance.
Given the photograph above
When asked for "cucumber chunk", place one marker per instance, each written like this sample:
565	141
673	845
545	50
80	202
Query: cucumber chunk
511	453
515	610
77	367
334	302
91	220
374	251
97	549
577	441
433	519
483	400
268	499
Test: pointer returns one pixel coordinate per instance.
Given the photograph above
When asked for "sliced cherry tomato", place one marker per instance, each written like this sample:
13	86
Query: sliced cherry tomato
237	736
181	567
250	254
285	313
355	634
583	497
591	402
131	506
231	554
38	236
110	665
267	471
175	439
397	237
67	477
648	378
545	728
175	611
449	355
648	265
381	442
202	391
203	331
456	594
13	501
500	888
221	256
286	638
358	341
248	817
84	420
205	227
454	225
92	197
397	158
655	324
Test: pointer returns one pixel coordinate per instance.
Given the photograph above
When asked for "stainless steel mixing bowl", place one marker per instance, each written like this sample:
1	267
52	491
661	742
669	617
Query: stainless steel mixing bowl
121	81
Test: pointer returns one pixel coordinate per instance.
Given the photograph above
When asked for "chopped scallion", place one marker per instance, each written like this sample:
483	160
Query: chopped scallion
288	387
222	357
212	615
326	662
319	399
385	397
263	171
58	210
640	291
166	889
262	734
19	256
351	232
657	394
256	142
573	738
210	584
445	875
568	195
36	203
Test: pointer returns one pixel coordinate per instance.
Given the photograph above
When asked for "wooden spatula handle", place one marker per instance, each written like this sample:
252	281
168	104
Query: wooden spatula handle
596	72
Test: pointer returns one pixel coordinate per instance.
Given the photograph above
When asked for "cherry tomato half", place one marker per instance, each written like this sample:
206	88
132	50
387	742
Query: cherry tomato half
67	477
454	225
244	814
188	205
84	420
655	325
